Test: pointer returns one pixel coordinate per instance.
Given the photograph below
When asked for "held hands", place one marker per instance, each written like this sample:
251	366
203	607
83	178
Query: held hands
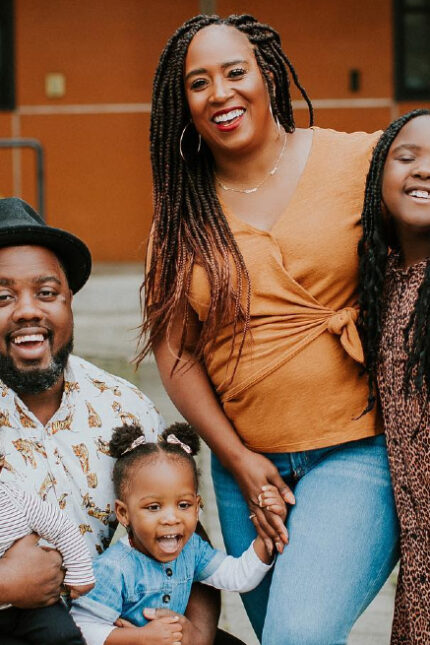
270	500
254	473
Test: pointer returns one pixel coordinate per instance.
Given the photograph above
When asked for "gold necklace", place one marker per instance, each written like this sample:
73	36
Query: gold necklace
254	189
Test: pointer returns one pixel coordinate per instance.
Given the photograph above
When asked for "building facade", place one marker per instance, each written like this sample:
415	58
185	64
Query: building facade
77	75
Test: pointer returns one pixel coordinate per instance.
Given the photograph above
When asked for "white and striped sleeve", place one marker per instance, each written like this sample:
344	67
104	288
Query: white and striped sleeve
51	524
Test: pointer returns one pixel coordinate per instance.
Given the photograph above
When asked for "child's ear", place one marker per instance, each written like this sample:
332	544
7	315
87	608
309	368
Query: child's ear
121	512
199	504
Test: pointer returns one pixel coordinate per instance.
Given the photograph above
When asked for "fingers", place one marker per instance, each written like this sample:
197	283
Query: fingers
169	620
277	525
271	499
273	533
284	490
287	494
271	528
177	637
174	625
262	533
121	622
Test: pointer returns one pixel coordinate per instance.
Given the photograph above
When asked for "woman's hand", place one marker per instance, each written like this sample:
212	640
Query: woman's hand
253	473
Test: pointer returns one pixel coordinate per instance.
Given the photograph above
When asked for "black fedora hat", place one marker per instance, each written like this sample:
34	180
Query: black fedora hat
20	224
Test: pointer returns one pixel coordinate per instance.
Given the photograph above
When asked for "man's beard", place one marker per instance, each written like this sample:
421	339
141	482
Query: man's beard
34	381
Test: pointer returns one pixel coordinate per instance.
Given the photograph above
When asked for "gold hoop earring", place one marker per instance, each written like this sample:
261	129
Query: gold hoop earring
199	145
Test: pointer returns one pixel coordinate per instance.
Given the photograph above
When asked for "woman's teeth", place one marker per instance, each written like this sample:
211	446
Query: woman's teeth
228	116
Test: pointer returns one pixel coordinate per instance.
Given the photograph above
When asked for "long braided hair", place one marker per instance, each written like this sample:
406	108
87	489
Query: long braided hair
377	240
189	225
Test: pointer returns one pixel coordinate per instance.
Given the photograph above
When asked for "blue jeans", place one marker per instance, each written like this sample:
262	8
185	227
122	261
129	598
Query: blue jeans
343	545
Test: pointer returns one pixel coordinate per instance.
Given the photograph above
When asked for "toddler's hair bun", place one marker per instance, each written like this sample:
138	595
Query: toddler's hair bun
122	438
186	434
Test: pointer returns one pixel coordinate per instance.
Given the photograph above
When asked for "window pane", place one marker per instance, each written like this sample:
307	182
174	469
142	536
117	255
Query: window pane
417	51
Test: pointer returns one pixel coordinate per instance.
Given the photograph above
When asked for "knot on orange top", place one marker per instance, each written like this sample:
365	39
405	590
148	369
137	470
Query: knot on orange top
342	323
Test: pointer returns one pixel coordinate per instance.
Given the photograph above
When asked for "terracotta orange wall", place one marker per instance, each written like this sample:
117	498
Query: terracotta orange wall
324	41
98	181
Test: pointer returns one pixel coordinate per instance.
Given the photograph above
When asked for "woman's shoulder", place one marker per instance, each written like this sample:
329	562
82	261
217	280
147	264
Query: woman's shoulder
349	150
359	138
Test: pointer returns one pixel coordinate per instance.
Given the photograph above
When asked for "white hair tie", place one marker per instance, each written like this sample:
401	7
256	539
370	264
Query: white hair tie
171	438
137	442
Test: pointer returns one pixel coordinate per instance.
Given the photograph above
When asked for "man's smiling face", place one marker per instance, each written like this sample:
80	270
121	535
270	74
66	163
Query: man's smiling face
36	322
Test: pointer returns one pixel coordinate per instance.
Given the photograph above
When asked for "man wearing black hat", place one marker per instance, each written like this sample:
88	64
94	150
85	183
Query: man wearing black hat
57	411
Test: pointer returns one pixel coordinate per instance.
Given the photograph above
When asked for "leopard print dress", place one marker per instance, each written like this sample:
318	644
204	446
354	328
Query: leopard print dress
407	426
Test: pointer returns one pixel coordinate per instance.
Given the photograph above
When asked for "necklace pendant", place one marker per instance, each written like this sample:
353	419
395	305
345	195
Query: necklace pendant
249	190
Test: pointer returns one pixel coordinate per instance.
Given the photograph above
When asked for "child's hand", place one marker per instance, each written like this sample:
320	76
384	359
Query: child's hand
162	631
76	591
271	499
260	548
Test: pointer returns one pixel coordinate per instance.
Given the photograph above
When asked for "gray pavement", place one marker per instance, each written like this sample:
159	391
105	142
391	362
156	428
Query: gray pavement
107	319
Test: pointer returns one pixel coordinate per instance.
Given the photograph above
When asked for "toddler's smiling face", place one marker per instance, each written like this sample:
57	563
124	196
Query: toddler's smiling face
161	506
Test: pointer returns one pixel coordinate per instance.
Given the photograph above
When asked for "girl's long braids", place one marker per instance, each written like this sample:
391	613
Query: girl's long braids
373	250
189	224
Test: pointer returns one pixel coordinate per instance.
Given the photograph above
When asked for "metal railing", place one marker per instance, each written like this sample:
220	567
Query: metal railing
35	145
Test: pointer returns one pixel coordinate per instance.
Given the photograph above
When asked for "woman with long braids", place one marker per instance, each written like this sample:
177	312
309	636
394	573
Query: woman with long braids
250	305
395	318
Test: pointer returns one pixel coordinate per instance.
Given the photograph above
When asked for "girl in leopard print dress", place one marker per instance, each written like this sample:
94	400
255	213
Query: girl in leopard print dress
395	321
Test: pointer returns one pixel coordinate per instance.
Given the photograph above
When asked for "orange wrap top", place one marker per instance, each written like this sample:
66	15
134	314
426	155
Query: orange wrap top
298	384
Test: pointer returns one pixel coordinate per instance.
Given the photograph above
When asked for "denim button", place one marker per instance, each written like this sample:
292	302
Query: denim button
166	597
169	572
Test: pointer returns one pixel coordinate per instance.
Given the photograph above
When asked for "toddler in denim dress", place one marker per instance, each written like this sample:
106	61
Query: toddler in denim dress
155	565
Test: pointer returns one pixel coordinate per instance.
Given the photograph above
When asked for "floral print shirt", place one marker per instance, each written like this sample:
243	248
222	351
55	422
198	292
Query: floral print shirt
67	462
